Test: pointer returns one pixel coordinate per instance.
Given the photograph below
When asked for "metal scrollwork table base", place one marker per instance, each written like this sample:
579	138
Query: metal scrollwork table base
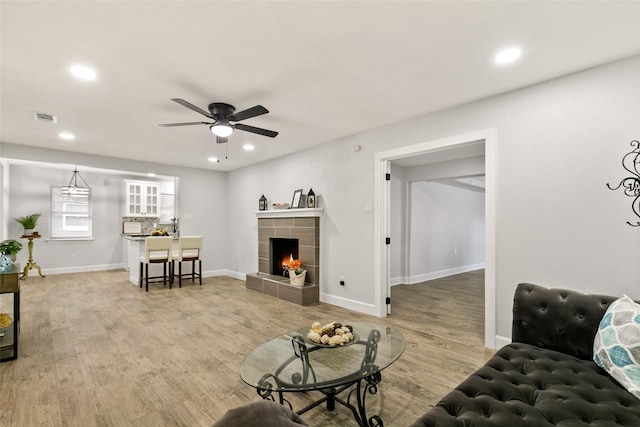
289	363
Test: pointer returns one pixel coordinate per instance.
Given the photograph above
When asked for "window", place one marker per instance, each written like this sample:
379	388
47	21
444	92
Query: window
70	213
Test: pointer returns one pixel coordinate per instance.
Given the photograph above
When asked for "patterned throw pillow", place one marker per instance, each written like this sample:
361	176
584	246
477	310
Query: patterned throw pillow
616	348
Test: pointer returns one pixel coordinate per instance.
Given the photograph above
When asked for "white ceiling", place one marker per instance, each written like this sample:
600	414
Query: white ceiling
326	70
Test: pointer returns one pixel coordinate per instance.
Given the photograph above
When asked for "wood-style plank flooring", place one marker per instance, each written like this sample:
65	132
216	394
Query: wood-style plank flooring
97	351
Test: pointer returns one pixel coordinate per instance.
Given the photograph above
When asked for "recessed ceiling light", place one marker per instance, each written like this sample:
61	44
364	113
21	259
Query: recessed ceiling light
213	159
248	147
151	174
66	135
82	72
507	56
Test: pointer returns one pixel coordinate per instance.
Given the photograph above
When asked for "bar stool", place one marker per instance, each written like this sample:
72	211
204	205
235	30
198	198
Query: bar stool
157	249
188	250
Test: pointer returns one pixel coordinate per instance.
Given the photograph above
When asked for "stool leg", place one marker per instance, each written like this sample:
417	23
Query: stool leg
200	271
172	270
180	273
146	271
140	275
193	271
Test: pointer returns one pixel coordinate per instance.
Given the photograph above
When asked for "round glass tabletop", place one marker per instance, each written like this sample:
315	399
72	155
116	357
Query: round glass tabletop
290	362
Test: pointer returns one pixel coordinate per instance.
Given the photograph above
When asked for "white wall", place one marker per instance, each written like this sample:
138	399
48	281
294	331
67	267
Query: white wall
398	210
446	231
468	166
558	143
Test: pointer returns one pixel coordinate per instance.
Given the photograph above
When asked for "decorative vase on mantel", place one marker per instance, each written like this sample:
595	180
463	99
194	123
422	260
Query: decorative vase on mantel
297	279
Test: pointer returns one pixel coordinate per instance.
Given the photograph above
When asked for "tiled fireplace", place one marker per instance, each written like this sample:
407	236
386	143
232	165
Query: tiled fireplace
282	235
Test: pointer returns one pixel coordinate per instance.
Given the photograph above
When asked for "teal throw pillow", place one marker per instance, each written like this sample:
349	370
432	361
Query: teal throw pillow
616	347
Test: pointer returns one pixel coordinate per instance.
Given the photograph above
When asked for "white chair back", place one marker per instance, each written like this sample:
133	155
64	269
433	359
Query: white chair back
188	247
157	248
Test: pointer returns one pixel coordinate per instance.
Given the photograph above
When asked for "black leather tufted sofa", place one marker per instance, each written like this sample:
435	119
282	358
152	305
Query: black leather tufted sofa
546	376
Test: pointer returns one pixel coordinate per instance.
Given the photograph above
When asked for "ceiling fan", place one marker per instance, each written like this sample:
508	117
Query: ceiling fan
222	115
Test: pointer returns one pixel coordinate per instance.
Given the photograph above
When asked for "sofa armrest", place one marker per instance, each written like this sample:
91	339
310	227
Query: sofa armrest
557	319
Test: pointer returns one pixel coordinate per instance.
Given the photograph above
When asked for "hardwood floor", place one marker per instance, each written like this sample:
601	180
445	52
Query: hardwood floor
97	351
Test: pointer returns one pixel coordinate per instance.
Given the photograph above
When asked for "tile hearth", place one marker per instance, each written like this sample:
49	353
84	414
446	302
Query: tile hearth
302	225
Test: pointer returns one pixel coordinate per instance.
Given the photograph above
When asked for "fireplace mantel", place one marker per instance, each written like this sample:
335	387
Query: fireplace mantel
290	213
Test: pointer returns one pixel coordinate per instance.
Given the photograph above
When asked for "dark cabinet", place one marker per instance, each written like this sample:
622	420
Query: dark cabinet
10	287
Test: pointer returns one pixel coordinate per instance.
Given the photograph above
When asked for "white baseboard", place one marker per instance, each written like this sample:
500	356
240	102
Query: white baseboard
79	269
443	273
400	280
234	274
349	304
502	341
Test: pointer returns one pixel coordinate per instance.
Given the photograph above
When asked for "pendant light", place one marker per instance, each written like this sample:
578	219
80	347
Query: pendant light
75	190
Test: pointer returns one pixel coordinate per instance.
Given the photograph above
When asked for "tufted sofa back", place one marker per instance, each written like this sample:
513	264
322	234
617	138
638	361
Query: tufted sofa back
557	319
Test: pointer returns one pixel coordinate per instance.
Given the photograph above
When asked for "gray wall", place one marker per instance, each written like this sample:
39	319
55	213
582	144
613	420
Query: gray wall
30	193
446	231
201	208
558	143
413	258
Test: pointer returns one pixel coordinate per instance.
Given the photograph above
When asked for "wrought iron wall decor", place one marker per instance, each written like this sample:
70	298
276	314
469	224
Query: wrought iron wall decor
631	184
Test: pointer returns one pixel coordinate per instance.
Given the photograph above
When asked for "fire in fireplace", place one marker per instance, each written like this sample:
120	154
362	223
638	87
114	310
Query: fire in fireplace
281	252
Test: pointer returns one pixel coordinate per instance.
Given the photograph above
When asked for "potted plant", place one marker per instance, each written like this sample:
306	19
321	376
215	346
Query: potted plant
28	223
10	248
296	273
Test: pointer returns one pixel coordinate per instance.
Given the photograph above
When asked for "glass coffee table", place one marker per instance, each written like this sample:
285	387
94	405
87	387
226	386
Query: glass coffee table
291	363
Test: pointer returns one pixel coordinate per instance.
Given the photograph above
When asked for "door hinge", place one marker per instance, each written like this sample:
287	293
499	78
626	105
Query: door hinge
388	177
388	240
388	300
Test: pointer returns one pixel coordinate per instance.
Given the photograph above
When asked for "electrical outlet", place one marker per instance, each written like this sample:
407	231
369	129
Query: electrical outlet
73	256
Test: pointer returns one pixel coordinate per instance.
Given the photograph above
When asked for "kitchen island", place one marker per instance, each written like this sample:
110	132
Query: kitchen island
133	250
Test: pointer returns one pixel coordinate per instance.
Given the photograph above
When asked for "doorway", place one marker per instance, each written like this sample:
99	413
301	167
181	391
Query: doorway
382	227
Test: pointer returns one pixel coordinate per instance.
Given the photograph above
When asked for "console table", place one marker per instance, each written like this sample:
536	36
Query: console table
9	284
30	263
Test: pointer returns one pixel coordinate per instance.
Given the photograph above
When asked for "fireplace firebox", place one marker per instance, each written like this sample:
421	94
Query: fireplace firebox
281	252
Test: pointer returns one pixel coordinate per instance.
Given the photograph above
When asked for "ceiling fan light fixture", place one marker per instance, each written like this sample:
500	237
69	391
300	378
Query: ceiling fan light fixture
222	129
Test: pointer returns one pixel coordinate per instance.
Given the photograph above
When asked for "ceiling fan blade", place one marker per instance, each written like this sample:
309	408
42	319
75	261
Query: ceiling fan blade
253	129
192	107
167	125
221	139
258	110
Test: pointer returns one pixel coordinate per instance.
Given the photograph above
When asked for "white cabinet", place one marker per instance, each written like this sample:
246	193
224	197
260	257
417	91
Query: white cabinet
142	198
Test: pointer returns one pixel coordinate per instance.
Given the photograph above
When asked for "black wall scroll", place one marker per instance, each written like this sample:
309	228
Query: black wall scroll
631	184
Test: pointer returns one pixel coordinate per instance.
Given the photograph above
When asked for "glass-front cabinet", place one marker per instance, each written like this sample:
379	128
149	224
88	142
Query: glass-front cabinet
142	198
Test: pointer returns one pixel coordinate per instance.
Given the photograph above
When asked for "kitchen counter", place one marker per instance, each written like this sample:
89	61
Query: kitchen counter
144	236
133	250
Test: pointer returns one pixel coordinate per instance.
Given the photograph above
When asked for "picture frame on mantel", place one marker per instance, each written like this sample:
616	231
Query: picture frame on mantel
297	199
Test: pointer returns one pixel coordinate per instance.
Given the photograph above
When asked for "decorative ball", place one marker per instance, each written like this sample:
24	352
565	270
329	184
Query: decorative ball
5	263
